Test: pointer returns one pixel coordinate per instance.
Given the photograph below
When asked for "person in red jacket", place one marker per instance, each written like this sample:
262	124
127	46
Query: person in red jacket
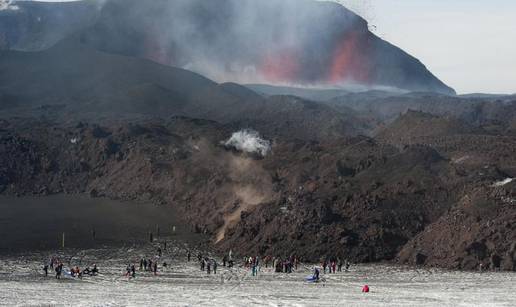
365	289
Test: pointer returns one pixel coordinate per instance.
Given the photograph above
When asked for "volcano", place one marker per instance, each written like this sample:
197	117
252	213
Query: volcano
288	42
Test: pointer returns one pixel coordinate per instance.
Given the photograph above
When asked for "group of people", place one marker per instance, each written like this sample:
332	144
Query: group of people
334	265
56	265
280	265
210	265
149	265
207	264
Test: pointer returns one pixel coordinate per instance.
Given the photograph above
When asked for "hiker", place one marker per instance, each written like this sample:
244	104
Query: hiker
202	265
189	255
333	266
316	274
339	265
141	264
73	272
155	268
45	269
127	271
59	270
208	266
94	271
150	265
159	251
324	265
347	265
279	266
78	272
145	264
254	270
133	271
224	260
215	266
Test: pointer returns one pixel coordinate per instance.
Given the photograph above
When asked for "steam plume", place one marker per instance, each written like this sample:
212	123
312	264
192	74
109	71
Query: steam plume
249	141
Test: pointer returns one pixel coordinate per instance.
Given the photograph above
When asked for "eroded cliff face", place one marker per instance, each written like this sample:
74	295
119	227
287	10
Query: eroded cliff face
354	197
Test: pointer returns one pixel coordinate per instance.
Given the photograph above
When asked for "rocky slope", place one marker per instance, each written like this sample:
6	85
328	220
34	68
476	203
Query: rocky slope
355	197
478	228
74	80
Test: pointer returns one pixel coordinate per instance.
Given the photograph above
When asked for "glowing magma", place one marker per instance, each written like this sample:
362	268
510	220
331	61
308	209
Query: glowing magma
350	61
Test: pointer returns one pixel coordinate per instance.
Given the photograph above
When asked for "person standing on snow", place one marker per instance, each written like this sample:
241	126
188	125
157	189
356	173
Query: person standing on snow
316	274
59	270
127	270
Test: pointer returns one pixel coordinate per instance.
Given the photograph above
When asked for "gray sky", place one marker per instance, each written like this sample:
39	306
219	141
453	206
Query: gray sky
469	44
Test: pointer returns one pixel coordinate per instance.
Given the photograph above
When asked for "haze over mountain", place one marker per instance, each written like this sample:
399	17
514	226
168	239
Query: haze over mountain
302	42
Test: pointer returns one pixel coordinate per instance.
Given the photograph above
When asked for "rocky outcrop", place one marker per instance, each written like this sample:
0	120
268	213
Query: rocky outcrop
352	197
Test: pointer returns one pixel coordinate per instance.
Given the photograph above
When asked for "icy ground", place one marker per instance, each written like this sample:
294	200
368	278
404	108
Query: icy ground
183	284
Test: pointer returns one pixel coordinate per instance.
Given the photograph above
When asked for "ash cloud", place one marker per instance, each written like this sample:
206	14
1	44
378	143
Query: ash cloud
249	141
246	41
283	42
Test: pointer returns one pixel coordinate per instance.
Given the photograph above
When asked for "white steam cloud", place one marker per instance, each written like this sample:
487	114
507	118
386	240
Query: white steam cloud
249	141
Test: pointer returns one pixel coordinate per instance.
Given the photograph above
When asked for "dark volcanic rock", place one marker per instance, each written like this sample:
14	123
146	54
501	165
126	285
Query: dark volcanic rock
478	230
71	80
351	197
